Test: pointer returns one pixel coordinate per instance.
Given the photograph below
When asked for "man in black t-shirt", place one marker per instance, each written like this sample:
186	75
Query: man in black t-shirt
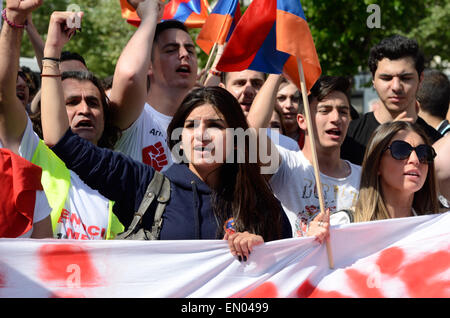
397	68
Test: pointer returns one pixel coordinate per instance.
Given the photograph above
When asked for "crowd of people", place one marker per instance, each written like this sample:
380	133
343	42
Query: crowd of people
78	153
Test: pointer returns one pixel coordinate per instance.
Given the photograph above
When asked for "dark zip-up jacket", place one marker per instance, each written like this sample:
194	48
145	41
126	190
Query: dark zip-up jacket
188	214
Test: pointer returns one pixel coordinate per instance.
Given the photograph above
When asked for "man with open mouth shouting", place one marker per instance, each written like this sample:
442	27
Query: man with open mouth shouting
155	71
294	182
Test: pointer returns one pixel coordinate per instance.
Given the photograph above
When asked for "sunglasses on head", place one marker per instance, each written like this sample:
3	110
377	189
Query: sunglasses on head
24	76
401	150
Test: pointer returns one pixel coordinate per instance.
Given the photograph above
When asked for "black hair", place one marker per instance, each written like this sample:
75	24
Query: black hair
325	85
168	24
33	79
111	133
68	56
434	93
107	82
243	193
396	47
224	75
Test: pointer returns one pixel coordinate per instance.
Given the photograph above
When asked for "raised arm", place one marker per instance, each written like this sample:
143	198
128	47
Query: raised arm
13	116
129	90
264	102
259	118
109	172
53	111
213	77
36	40
442	164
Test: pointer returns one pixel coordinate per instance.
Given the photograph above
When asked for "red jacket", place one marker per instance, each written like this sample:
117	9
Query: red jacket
19	181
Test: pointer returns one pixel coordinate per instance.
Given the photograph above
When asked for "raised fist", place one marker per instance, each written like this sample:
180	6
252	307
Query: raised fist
17	10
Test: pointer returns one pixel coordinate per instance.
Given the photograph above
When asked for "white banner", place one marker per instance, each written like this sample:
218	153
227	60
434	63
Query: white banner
407	257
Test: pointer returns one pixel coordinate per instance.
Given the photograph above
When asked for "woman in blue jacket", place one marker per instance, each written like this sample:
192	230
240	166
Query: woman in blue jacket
208	188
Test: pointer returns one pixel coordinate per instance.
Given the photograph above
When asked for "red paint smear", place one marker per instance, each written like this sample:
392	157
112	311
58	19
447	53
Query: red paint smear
390	260
308	290
418	276
358	282
266	290
57	263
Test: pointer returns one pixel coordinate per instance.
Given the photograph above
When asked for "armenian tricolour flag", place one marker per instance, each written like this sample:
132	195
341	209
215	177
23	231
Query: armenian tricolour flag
220	24
269	38
192	13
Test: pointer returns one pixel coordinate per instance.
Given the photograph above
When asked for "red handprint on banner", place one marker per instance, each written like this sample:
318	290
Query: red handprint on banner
421	277
68	268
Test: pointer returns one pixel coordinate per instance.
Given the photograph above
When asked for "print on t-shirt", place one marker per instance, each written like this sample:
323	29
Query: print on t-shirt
154	156
145	139
70	226
294	184
333	193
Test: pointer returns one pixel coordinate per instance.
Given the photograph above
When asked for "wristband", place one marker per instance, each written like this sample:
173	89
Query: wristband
51	59
215	73
229	226
50	75
12	24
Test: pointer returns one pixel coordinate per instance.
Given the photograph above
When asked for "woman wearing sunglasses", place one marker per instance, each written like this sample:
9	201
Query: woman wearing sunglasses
398	177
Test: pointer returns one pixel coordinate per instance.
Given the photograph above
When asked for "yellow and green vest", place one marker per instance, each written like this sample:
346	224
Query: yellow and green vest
56	183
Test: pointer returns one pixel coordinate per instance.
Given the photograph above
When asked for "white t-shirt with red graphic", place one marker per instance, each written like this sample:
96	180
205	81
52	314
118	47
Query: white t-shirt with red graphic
294	184
145	140
85	215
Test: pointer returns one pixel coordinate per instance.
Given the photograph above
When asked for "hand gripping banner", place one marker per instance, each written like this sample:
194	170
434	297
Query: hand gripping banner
407	257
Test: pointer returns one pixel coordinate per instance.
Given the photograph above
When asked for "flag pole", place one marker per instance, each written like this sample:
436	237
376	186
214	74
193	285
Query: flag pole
314	153
215	46
208	63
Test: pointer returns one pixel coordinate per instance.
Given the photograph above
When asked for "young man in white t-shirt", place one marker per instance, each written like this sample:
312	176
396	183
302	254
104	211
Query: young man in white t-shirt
163	54
294	182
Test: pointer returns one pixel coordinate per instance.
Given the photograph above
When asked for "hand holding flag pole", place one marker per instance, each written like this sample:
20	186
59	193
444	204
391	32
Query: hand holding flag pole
273	37
315	163
217	51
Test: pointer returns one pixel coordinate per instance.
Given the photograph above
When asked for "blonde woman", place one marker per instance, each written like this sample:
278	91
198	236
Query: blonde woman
398	176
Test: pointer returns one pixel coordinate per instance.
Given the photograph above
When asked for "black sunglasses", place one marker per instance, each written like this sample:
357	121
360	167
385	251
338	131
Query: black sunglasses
401	150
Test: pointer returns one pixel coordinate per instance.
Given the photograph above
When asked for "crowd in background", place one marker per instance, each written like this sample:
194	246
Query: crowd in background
78	153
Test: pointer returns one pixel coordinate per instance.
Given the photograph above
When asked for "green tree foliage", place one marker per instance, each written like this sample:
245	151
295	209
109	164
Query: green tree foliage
433	31
339	29
343	38
104	32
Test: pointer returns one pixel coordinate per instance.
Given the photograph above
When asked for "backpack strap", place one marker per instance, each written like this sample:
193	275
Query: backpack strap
153	191
163	198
